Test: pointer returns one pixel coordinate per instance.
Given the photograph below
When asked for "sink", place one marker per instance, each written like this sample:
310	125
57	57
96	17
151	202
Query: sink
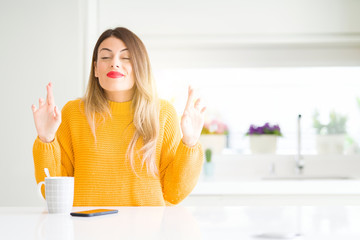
307	177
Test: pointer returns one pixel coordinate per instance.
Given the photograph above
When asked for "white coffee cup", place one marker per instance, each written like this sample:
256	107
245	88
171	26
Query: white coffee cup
59	193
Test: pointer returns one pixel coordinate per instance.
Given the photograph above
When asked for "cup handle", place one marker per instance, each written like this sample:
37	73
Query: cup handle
39	188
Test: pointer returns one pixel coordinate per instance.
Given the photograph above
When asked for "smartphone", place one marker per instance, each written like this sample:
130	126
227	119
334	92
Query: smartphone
95	212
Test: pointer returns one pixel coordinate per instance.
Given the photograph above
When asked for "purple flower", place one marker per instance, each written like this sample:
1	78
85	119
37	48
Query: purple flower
267	128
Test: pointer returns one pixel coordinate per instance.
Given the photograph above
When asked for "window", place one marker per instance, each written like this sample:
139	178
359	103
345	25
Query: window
244	96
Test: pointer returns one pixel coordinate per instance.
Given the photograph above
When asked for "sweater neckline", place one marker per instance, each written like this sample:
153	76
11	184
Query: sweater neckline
123	108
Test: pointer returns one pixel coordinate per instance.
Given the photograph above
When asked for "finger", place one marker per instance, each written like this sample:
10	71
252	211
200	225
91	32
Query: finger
56	113
50	96
190	97
33	108
185	114
41	102
197	104
203	110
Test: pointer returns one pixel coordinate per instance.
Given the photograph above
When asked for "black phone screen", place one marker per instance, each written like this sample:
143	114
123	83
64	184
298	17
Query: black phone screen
94	212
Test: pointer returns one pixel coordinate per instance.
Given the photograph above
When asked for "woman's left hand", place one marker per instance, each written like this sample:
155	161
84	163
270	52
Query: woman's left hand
192	120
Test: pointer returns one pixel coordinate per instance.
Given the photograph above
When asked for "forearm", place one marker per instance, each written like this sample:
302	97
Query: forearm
182	173
46	155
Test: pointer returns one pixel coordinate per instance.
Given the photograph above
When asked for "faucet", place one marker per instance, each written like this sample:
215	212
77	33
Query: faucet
299	161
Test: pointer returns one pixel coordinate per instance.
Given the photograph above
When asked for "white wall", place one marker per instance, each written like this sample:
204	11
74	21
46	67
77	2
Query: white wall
40	42
241	33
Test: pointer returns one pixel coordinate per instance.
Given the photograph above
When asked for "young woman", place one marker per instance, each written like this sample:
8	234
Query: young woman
121	143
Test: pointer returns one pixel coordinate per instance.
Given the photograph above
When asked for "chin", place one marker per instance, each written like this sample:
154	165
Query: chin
117	87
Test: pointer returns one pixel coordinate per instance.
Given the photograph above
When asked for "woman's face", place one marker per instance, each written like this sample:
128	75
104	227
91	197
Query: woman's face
113	67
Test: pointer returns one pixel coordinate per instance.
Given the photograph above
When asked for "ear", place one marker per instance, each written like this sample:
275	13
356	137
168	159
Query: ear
95	70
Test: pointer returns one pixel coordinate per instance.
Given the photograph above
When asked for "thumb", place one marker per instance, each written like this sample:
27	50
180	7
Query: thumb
57	113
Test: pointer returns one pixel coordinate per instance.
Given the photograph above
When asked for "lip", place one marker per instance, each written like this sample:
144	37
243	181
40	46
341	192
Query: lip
114	74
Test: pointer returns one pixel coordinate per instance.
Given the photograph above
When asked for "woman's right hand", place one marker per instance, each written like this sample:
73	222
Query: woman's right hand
47	118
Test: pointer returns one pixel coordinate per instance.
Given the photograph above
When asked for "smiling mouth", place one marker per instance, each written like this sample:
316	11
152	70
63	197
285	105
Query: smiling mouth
114	74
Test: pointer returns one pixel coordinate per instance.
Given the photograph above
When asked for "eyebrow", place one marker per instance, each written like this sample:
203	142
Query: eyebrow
107	49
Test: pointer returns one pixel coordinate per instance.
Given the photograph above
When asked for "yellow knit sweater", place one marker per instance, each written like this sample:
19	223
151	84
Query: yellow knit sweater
103	175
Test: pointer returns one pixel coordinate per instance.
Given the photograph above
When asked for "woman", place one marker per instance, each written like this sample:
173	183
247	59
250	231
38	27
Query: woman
121	143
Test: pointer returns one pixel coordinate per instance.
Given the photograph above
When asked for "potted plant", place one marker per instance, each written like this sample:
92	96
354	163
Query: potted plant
263	139
214	136
330	137
208	165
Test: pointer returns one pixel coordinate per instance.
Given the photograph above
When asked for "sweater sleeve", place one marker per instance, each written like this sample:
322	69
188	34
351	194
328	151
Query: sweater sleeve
180	165
57	155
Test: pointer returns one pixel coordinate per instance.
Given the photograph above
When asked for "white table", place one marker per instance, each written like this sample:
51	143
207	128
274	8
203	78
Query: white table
241	222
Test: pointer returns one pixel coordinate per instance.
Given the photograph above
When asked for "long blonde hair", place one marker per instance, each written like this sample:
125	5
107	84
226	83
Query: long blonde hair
145	103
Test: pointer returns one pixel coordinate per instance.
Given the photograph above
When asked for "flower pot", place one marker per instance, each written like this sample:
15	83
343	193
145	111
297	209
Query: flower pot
330	144
208	169
215	142
263	144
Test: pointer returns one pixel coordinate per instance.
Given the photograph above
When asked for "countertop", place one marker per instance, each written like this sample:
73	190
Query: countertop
276	187
240	222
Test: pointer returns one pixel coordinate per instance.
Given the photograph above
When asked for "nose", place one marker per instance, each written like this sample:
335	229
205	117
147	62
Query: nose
115	63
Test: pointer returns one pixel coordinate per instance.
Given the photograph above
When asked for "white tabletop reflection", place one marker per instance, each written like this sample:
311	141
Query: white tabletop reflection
240	222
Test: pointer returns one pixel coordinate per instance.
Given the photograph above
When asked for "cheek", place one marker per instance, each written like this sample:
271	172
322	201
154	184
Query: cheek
130	71
132	76
101	67
128	68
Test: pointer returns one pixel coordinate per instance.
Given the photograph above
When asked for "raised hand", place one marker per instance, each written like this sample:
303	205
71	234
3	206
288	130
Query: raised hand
192	120
47	118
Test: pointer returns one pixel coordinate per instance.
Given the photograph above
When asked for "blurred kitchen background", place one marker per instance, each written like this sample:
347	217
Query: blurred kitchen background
253	62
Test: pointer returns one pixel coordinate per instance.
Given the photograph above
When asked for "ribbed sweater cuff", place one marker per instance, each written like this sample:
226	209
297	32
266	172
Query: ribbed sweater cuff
189	150
45	146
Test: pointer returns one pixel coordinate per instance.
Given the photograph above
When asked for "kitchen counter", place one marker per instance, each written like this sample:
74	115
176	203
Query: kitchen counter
210	192
234	222
277	187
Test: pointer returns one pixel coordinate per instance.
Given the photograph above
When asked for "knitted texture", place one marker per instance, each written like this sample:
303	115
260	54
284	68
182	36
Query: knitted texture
103	174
